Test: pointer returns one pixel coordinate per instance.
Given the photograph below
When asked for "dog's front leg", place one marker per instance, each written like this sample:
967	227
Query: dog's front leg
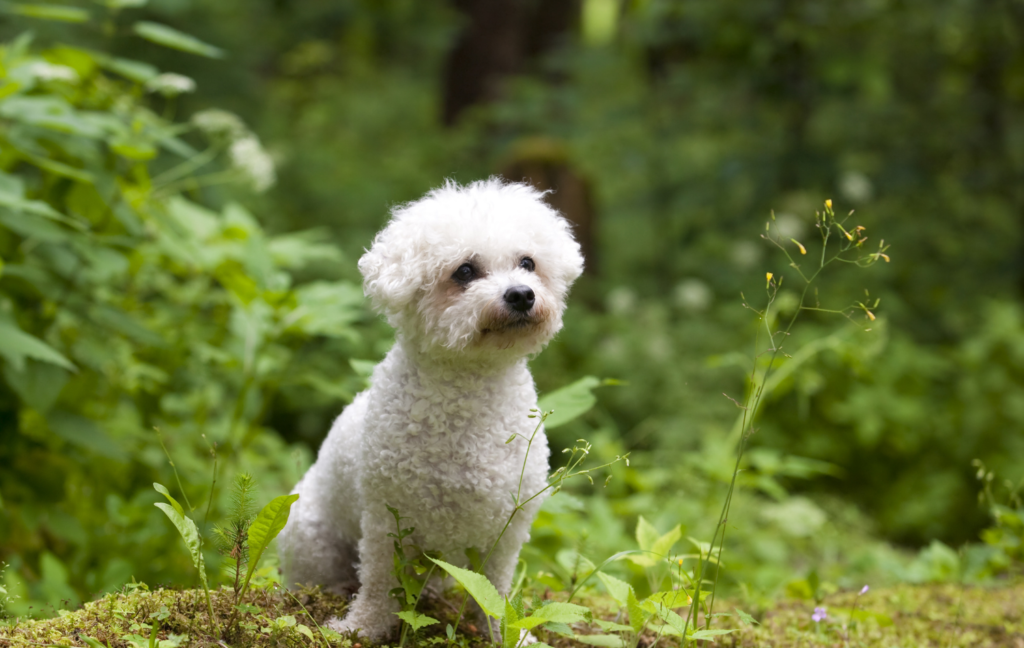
372	612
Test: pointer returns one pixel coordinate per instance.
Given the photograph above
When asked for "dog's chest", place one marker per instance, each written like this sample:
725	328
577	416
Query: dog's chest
441	455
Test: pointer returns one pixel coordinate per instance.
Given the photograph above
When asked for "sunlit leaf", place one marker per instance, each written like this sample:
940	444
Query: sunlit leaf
170	37
554	612
481	589
569	402
62	13
16	345
416	620
268	523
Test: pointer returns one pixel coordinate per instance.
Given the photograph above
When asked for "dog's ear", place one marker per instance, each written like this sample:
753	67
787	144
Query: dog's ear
390	276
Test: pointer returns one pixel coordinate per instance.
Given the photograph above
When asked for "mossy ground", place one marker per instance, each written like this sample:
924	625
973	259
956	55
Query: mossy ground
904	616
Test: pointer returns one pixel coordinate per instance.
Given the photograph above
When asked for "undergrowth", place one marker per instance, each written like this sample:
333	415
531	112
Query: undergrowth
940	616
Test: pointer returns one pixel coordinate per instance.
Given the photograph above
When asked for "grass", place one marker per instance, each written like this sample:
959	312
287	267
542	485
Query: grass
905	616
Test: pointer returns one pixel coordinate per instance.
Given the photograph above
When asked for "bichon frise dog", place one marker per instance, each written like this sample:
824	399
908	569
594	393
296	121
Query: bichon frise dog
474	280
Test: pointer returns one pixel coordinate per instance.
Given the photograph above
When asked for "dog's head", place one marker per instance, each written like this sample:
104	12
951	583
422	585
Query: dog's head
480	270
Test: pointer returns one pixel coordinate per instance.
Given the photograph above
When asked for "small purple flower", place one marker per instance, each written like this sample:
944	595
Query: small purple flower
820	614
864	590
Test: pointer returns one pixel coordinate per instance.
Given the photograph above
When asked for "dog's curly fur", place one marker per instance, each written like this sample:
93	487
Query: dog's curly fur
474	280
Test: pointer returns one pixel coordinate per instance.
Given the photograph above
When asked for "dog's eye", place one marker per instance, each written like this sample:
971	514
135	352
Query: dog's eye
527	264
465	273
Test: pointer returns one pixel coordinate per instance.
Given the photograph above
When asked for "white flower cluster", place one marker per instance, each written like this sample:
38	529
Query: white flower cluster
245	151
50	72
170	85
249	157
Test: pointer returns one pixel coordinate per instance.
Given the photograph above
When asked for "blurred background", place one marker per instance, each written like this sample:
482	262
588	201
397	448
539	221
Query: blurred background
187	186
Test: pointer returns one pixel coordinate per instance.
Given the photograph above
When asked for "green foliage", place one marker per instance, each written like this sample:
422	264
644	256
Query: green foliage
683	120
127	305
268	524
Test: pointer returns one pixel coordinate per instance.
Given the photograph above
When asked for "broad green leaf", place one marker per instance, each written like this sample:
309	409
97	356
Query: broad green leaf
569	402
646	534
481	589
189	533
604	641
664	544
560	629
117	320
709	635
136	71
637	615
509	631
268	523
611	626
37	384
554	613
304	630
673	599
170	37
85	433
61	13
54	113
676	623
32	228
160	488
416	620
618	589
16	345
58	168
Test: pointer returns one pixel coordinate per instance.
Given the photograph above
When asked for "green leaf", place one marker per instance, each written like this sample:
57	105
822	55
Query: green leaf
169	37
637	615
485	594
32	227
85	433
554	613
611	626
160	488
416	620
509	631
38	384
646	534
118	320
709	634
569	402
605	641
61	13
268	523
676	624
132	70
652	544
190	534
304	630
664	544
618	589
673	599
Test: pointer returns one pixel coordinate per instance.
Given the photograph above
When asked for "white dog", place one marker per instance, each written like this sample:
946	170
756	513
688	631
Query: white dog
474	279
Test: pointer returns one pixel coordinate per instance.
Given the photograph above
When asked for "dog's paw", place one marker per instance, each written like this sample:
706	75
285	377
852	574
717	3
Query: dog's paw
353	627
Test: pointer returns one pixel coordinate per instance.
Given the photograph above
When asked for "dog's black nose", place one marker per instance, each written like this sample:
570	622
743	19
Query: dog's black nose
519	298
